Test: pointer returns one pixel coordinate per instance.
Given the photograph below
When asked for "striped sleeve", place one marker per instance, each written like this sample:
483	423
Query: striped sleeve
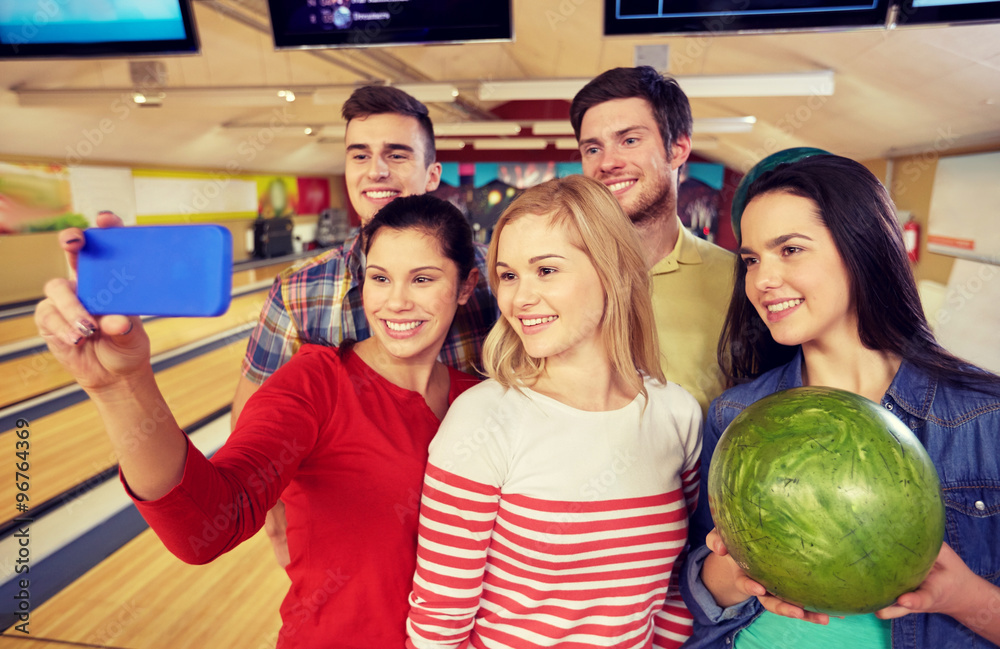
691	433
456	521
691	483
674	623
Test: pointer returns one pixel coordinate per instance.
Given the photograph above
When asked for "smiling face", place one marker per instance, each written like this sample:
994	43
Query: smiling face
411	292
795	277
385	160
548	290
621	146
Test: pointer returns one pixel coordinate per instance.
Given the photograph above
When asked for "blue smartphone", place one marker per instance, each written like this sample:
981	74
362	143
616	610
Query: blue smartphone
163	270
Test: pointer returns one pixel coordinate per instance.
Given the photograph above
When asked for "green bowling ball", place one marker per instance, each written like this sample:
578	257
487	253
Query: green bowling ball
827	500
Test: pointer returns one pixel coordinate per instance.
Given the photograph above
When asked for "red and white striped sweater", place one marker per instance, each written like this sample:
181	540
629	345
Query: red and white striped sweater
543	525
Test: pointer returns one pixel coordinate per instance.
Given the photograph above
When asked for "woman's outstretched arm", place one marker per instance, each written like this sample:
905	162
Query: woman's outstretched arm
109	359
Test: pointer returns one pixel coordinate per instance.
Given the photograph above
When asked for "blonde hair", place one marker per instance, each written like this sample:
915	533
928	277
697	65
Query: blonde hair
606	235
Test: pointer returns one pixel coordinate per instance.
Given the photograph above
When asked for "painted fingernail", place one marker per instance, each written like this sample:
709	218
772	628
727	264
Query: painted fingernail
86	327
73	340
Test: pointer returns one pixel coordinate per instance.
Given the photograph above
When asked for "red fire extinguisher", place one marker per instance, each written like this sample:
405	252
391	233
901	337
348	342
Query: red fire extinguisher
911	239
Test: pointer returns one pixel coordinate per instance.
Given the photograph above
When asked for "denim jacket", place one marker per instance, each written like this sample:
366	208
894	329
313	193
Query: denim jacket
960	430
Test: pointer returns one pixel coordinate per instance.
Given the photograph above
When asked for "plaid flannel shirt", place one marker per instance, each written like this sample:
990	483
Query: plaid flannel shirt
319	301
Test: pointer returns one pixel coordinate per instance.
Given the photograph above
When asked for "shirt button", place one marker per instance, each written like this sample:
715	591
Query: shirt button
980	505
888	406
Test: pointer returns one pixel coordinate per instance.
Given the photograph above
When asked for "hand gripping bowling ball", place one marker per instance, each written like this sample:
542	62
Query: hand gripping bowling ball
827	500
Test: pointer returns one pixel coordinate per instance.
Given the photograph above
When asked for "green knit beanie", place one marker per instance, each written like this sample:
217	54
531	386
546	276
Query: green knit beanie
758	170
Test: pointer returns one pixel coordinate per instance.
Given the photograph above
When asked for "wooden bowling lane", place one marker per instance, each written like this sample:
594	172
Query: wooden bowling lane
34	374
260	273
21	641
69	447
18	328
142	597
21	328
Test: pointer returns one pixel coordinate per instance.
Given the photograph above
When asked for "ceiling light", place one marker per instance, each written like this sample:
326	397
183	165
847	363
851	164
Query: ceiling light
430	92
477	128
567	144
746	85
179	96
701	125
530	89
552	127
289	130
148	99
795	84
511	144
424	92
233	96
228	95
449	145
724	124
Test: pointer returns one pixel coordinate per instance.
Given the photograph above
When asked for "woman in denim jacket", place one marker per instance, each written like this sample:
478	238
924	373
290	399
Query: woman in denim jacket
825	296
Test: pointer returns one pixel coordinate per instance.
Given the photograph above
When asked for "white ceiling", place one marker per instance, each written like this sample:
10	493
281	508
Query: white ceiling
906	91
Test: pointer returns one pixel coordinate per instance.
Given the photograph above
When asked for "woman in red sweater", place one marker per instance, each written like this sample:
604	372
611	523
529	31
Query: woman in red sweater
341	435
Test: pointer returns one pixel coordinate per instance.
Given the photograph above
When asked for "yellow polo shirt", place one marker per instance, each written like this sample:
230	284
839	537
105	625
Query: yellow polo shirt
691	290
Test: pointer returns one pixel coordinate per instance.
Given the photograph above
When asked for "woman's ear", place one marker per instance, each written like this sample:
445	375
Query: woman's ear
468	286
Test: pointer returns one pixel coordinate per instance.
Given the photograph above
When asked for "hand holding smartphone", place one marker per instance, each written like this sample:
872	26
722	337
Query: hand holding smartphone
170	270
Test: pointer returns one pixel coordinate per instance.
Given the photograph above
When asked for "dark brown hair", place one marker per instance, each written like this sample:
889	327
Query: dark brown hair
383	100
434	216
428	214
856	209
669	104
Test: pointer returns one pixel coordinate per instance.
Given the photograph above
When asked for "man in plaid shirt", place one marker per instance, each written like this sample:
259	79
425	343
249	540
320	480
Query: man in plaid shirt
390	153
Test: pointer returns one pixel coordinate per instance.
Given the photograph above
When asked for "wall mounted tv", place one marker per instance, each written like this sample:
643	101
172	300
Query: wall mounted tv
362	23
85	28
630	17
947	12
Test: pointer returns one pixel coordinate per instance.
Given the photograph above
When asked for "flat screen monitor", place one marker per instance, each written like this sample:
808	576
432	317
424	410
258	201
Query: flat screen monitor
630	17
347	23
91	28
947	12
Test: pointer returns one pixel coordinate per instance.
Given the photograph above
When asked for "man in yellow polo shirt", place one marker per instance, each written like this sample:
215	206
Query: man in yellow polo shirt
634	130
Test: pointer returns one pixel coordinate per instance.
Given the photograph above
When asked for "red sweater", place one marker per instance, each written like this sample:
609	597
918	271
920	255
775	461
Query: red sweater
345	450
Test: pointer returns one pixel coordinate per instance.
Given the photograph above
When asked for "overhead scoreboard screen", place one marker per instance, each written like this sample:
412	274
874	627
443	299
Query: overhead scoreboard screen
361	23
84	28
632	17
948	12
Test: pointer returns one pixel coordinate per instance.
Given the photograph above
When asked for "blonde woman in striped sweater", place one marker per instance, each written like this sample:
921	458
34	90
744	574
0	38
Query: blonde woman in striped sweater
557	493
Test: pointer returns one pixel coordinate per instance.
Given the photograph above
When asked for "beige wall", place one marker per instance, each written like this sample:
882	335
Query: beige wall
912	179
27	261
879	167
912	184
